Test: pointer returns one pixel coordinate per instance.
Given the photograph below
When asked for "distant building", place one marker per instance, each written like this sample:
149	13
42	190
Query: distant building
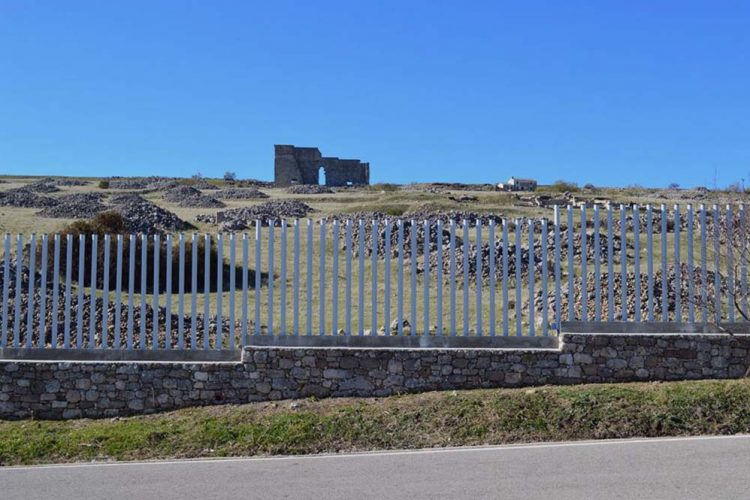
514	184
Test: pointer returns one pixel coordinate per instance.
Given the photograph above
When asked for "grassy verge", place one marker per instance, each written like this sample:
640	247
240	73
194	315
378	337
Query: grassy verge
410	421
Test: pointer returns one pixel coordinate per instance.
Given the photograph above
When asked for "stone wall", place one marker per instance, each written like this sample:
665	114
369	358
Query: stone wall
54	390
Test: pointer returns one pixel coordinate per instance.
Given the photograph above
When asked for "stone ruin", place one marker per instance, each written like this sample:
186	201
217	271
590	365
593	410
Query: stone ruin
293	165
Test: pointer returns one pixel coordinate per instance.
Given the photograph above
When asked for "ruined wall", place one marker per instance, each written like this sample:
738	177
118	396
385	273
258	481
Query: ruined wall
293	165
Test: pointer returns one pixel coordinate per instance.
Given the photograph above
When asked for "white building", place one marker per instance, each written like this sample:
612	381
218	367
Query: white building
515	184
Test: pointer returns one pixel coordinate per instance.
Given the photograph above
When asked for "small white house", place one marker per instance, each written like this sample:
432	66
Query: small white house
515	184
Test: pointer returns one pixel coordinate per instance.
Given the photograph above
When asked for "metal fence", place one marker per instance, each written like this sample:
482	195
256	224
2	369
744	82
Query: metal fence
375	277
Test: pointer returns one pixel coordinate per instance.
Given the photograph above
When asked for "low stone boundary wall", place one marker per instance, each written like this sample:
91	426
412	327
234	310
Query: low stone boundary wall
73	389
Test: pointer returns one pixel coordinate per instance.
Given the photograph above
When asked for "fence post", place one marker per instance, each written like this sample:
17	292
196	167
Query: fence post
118	294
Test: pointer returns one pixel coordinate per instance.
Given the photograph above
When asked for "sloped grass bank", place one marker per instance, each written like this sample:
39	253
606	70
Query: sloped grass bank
411	421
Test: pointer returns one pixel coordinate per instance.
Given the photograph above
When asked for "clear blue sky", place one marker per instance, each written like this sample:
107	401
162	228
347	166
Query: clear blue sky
612	92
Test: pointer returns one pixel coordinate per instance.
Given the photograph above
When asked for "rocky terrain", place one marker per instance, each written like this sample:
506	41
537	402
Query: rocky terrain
237	219
309	189
25	198
250	193
75	206
143	216
189	196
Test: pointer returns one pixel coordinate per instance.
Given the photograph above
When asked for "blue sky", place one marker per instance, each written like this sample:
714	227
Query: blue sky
612	93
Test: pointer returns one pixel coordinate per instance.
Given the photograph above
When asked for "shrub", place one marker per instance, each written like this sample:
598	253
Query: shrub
564	187
230	176
104	184
113	224
673	186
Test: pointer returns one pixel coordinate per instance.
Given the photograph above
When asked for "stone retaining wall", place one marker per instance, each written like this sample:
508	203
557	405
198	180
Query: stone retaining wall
54	390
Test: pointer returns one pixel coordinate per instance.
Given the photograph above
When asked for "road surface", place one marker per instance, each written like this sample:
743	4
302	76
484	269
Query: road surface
706	467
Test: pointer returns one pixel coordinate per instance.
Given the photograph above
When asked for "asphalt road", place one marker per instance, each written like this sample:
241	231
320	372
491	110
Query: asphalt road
708	467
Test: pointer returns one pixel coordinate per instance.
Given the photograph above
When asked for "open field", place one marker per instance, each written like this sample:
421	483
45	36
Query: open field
495	416
394	201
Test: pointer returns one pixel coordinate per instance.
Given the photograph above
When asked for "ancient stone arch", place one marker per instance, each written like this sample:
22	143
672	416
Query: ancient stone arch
293	165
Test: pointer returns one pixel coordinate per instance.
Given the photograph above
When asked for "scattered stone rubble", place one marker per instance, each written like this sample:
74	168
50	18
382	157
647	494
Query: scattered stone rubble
75	206
98	308
309	189
698	288
188	196
24	198
46	185
237	219
143	216
240	194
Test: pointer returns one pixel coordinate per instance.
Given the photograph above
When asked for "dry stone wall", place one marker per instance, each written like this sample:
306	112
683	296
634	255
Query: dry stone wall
62	390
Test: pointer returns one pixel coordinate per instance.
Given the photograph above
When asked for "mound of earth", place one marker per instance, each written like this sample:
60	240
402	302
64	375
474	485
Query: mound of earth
240	194
75	206
46	185
204	184
309	189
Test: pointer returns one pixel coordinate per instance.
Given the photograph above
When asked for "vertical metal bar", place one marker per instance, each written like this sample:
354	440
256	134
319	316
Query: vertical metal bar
492	248
105	294
677	267
155	303
232	288
637	261
118	294
361	298
348	276
309	283
144	278
168	296
206	290
730	263
42	342
30	303
519	283
19	274
623	262
181	293
506	306
610	266
6	290
413	289
295	284
478	225
531	279
584	272
400	309
650	251
466	247
426	279
664	277
335	280
246	284
558	276
92	311
55	291
452	270
597	267
571	269
387	294
374	284
219	340
258	275
439	279
322	279
194	292
691	266
743	260
716	216
282	284
81	285
704	271
17	292
270	272
545	318
131	290
68	290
